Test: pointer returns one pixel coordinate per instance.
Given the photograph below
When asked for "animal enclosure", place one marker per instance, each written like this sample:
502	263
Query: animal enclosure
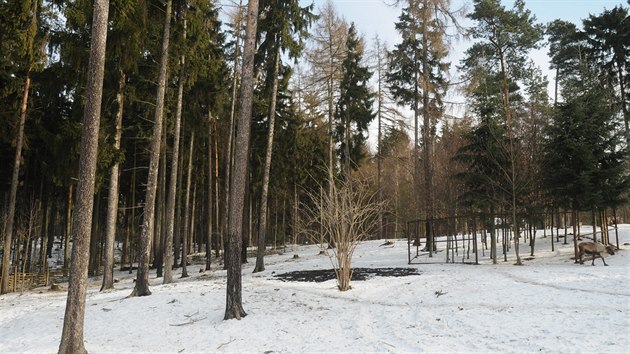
464	239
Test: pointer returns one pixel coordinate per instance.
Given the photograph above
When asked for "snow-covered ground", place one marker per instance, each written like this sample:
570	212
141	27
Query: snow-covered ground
549	305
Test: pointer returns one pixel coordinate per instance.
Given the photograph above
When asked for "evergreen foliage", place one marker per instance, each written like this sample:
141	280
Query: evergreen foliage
353	112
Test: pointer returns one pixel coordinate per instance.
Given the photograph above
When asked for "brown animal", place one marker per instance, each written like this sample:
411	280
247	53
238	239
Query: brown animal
594	249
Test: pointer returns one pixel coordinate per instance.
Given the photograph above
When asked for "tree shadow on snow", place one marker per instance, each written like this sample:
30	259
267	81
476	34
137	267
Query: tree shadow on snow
322	275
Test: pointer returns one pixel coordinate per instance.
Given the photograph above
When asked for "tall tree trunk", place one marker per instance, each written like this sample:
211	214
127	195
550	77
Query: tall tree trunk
210	199
142	280
229	155
416	154
177	236
185	235
426	134
160	219
93	265
8	235
194	239
379	148
624	101
247	217
172	186
234	305
112	198
66	246
72	335
511	152
262	228
331	155
219	244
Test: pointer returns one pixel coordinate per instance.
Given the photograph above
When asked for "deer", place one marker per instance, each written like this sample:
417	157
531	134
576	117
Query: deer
594	249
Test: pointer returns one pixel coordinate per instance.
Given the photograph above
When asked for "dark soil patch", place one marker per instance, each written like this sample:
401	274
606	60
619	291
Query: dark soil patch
322	275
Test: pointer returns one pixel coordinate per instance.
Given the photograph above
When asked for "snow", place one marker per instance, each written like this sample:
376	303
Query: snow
549	305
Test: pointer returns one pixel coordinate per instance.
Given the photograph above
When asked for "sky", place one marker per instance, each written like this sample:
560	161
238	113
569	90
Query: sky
378	17
373	17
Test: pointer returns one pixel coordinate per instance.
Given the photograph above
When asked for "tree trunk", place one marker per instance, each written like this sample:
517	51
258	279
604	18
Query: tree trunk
510	125
247	217
72	335
172	186
177	224
160	219
8	236
142	280
112	198
426	134
379	150
219	244
575	235
210	199
624	101
234	306
96	236
66	246
185	236
262	228
229	155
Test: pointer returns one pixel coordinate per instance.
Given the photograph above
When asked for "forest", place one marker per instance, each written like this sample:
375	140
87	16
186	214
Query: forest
135	133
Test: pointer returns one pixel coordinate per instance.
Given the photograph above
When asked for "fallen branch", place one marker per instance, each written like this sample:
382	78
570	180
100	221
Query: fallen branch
224	344
187	323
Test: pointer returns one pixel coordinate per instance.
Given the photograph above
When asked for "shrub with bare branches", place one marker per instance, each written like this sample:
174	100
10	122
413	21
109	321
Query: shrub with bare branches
348	215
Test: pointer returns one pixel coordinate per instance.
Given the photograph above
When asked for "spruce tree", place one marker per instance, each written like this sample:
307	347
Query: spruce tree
284	25
353	111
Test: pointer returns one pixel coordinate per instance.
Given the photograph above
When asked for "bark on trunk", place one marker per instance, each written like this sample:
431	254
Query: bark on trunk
210	201
234	307
112	198
229	158
72	335
510	124
185	235
262	229
426	135
142	280
172	187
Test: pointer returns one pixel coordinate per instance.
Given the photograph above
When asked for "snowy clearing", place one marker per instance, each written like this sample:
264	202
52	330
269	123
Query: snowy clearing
549	305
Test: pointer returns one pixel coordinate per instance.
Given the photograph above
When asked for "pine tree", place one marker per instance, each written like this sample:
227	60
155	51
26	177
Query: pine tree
607	36
281	21
234	302
141	287
509	34
124	42
72	335
566	51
